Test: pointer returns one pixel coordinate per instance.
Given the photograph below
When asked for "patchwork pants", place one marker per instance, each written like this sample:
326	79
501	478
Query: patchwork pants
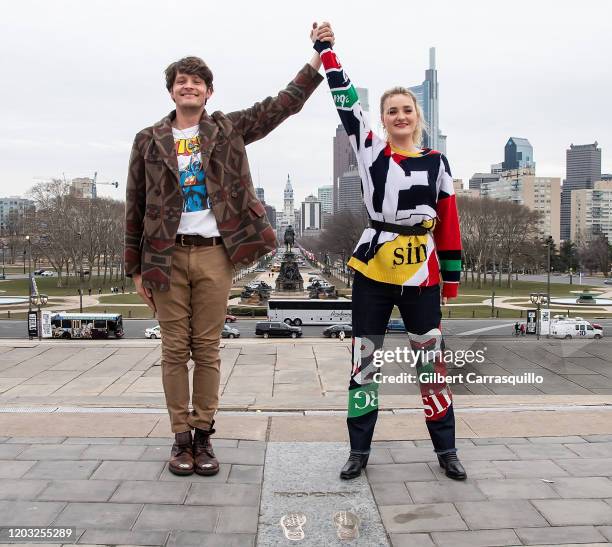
420	309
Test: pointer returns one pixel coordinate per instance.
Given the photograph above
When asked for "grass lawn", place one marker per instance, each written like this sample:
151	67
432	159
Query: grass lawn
48	285
484	312
12	269
522	288
121	299
469	299
16	316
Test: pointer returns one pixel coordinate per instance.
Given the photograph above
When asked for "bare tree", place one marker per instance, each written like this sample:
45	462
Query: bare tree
52	223
73	233
595	255
339	236
517	224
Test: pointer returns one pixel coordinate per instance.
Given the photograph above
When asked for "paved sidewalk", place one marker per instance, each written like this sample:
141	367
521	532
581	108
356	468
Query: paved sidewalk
520	491
294	375
84	438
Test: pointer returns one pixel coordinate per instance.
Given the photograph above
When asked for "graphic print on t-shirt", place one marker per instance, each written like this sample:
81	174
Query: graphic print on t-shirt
191	174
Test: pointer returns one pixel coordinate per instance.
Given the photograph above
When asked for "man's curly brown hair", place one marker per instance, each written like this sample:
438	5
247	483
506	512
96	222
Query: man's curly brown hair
189	65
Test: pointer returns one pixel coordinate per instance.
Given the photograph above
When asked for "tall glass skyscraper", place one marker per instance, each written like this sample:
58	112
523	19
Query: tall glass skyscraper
427	97
518	154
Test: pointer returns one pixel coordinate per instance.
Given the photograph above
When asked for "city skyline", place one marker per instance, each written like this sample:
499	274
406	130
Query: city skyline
87	103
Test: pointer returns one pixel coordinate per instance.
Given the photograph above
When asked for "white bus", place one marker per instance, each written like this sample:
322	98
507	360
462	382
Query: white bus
298	312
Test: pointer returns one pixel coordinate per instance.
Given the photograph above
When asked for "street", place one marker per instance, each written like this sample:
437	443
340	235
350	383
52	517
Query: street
134	328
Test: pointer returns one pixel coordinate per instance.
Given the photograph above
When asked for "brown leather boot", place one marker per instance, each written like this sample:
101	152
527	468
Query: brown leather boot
181	456
205	461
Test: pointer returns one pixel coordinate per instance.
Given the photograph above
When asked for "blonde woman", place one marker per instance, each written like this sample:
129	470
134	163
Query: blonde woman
409	256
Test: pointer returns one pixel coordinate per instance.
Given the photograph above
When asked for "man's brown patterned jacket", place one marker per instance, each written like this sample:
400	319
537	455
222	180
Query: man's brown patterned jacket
154	200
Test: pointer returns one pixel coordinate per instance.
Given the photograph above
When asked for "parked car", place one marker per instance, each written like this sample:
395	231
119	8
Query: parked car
230	332
153	332
608	281
230	318
258	284
396	325
333	331
276	328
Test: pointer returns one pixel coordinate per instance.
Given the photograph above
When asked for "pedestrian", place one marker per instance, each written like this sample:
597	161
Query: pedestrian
89	291
341	335
99	290
522	329
516	328
194	163
412	245
122	289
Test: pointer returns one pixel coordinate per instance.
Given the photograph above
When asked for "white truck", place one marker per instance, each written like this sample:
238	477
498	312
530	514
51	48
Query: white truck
577	327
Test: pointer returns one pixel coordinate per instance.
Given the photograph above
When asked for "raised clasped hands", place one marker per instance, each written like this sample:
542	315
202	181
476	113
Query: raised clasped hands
322	32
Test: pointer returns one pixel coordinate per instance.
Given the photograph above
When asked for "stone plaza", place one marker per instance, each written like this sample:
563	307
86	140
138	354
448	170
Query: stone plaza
84	439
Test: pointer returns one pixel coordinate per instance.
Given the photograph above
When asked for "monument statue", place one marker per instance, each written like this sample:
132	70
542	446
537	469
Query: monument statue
289	238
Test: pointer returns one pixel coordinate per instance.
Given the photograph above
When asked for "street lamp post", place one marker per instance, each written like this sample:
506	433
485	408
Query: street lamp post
549	243
29	268
80	275
536	298
29	255
493	289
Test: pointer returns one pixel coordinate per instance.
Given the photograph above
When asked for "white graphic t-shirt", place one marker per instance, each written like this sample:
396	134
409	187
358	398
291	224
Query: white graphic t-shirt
197	217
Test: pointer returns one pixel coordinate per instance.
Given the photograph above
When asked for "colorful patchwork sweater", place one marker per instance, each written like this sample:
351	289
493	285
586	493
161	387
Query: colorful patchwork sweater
398	188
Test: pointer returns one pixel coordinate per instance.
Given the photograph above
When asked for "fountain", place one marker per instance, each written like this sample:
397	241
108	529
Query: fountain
584	298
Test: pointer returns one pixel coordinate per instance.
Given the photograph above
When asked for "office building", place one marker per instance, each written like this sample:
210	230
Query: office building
541	194
82	188
349	192
297	227
583	169
15	214
477	180
271	214
326	197
591	212
344	157
311	216
518	154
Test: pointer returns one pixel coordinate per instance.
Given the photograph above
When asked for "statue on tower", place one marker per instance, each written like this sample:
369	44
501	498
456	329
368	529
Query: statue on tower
289	238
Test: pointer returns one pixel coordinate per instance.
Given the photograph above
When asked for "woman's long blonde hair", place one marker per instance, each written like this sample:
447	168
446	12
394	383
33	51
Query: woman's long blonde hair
421	127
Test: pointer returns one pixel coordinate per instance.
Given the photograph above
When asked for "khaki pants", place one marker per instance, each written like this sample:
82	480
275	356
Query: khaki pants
191	317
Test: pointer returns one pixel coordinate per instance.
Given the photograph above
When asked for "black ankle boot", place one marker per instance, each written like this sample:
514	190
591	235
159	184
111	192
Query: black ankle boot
352	468
452	466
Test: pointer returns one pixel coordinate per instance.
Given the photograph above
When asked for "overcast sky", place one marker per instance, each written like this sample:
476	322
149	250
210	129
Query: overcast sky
80	78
